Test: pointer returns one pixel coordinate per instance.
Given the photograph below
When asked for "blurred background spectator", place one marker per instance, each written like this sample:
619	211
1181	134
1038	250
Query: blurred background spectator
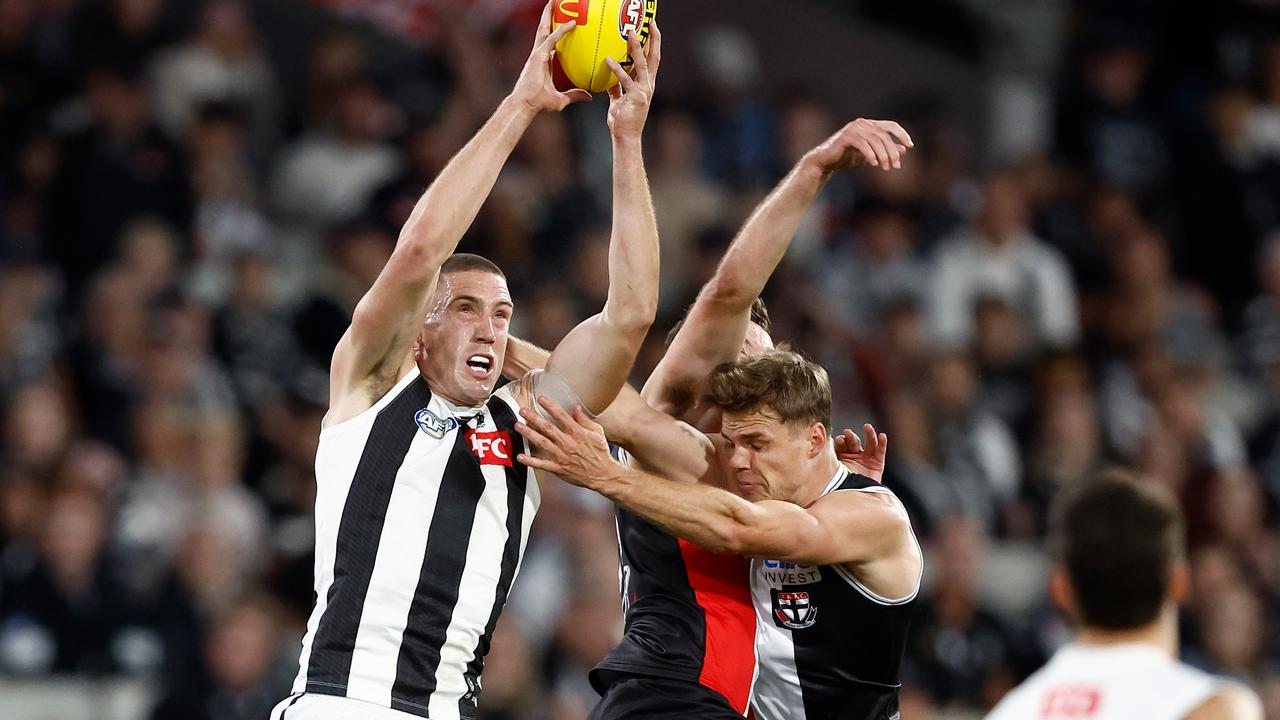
1078	265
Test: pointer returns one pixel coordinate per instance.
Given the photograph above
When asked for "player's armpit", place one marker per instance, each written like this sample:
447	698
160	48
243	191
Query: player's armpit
367	359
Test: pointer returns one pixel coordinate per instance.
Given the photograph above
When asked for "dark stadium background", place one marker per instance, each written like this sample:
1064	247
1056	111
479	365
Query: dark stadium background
1079	264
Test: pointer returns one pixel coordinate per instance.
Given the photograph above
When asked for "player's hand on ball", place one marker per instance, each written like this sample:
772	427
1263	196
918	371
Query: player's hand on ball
878	143
573	447
866	460
629	100
535	87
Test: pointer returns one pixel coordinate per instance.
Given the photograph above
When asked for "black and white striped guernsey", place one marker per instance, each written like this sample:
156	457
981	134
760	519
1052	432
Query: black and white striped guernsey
422	516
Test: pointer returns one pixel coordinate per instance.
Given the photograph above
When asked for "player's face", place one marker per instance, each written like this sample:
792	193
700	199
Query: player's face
756	343
465	335
762	457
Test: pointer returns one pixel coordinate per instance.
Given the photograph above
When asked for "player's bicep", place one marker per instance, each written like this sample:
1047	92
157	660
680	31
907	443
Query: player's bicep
595	359
853	527
385	319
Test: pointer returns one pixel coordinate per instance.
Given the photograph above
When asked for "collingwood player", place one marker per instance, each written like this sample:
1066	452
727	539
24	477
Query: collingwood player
688	644
423	509
1121	574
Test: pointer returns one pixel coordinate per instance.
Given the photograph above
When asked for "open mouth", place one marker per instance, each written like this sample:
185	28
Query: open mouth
481	365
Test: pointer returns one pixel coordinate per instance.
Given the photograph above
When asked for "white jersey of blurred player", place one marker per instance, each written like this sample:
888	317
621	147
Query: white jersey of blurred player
1121	573
1110	682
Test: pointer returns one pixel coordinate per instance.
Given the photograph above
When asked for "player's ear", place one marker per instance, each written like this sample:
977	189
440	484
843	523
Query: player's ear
1180	582
1060	591
817	438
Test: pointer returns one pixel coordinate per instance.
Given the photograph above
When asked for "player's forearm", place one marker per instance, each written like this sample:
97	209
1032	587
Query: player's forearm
717	324
633	246
449	206
755	253
706	515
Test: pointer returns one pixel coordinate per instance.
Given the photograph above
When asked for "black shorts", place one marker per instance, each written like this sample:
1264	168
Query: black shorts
641	697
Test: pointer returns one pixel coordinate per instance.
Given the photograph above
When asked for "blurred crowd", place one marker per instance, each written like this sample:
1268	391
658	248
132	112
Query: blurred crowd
185	229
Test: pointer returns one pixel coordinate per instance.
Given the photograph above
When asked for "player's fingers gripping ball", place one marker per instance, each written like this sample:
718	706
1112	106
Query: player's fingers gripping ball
601	33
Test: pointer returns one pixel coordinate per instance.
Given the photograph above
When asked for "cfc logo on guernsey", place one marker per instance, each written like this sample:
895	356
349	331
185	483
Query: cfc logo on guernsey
490	448
793	609
1071	701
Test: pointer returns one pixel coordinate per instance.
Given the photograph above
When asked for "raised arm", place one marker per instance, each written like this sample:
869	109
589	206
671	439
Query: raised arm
842	528
716	326
595	358
376	344
655	440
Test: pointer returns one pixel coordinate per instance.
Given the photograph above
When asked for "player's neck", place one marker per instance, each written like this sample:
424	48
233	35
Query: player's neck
822	469
1161	634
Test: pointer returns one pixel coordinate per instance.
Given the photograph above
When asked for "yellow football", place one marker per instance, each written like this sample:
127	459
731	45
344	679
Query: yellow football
601	33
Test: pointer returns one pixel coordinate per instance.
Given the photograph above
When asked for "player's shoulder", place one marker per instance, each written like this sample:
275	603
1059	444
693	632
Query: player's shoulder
509	394
1024	701
1229	701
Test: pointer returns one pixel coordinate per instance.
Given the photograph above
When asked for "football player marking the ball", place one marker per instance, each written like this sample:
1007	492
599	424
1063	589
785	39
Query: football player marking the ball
423	510
675	589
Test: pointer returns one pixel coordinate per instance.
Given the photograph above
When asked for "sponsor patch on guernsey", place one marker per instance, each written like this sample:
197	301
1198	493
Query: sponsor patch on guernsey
779	572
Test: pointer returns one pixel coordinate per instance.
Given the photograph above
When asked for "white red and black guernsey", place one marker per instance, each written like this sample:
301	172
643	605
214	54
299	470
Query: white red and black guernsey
829	648
688	612
422	516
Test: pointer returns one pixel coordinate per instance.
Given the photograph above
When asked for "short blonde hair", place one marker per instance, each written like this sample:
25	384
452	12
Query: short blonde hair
779	382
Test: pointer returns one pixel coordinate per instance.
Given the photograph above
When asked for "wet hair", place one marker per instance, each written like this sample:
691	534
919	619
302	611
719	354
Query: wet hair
466	262
779	382
759	316
1119	538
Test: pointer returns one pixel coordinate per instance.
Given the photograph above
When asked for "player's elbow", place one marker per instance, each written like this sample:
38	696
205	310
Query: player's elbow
750	540
421	246
724	289
732	537
632	316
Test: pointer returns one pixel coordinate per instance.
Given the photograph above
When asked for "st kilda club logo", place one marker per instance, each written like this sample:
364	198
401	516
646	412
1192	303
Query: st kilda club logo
793	609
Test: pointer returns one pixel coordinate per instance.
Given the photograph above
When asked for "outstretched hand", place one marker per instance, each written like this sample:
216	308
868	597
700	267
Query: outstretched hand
630	99
573	447
868	459
878	143
535	88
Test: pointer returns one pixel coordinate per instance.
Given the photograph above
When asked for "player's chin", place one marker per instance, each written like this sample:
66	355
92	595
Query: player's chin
478	389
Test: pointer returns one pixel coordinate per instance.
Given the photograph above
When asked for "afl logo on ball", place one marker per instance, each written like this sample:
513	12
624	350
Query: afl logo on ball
793	610
569	11
635	16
